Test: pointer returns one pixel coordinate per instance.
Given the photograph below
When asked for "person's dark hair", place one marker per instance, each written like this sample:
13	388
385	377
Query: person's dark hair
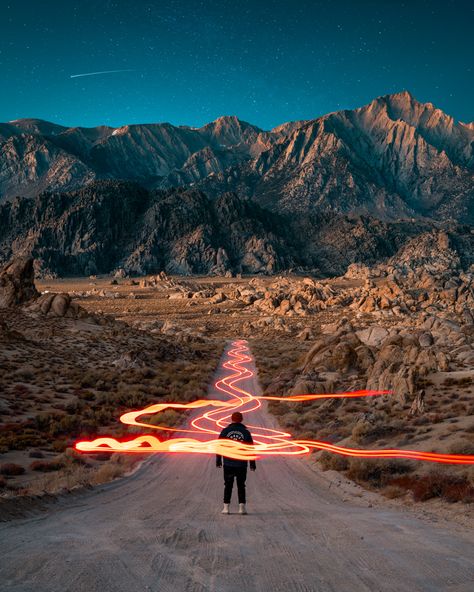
237	417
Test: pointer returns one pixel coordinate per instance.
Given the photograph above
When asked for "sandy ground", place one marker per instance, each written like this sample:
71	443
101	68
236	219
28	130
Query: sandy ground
161	529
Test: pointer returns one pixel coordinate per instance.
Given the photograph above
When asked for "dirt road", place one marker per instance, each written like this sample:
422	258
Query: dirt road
161	529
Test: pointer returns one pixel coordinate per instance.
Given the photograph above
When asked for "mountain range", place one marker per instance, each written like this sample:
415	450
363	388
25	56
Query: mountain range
393	158
351	186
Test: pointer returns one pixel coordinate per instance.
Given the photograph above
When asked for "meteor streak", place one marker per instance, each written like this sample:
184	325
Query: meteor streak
267	442
96	73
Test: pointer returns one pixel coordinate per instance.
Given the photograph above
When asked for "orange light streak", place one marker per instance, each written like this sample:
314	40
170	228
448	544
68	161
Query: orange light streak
267	442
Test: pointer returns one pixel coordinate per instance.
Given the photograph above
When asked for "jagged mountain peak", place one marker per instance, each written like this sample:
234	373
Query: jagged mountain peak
394	157
401	105
230	130
230	121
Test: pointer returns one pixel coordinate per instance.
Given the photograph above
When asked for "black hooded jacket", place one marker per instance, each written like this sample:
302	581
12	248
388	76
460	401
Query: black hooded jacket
235	431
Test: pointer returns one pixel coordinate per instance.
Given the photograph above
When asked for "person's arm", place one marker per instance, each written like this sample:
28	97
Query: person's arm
253	466
218	456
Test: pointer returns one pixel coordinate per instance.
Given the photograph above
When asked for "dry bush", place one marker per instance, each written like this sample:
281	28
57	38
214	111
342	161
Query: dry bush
11	469
393	491
365	432
470	475
46	466
462	447
438	484
107	472
377	472
334	462
36	454
59	445
80	474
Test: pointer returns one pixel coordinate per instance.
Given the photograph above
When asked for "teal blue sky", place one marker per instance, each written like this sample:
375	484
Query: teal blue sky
188	62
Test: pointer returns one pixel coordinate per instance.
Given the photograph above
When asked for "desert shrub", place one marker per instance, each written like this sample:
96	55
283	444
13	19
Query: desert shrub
11	469
25	373
438	484
365	431
45	466
86	395
36	454
102	456
458	489
334	462
59	445
89	379
21	390
169	418
393	491
20	442
72	457
378	472
462	447
65	424
107	472
329	434
42	422
420	420
470	475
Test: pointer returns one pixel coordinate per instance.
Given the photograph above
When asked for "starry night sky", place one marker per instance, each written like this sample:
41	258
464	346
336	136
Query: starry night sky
265	61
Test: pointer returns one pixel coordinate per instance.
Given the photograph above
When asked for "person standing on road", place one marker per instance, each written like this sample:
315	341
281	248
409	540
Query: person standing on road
233	468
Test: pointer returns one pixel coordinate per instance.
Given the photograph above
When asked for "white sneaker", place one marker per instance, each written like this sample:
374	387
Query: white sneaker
242	509
225	509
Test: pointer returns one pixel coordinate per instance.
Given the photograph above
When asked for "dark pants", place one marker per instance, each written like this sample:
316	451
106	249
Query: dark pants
240	473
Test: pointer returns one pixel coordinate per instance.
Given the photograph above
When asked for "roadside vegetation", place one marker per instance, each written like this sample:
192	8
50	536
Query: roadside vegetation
69	386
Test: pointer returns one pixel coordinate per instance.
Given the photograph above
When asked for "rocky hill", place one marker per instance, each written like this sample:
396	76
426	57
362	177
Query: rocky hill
115	225
112	225
394	158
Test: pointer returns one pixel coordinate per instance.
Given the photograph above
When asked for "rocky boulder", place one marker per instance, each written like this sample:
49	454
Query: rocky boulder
17	284
58	305
372	336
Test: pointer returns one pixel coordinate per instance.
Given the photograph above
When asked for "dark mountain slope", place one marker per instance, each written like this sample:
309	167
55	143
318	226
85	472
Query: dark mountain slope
110	224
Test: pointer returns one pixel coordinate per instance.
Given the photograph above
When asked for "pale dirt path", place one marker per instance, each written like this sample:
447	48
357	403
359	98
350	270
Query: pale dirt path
161	529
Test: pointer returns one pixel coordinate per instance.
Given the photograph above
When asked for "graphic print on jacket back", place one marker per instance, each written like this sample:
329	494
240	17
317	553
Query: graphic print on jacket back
235	435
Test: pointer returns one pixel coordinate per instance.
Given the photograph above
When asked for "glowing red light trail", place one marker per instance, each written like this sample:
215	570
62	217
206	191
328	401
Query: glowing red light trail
267	442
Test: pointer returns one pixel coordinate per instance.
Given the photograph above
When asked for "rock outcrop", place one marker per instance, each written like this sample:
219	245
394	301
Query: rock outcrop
122	228
58	305
17	289
425	275
17	284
